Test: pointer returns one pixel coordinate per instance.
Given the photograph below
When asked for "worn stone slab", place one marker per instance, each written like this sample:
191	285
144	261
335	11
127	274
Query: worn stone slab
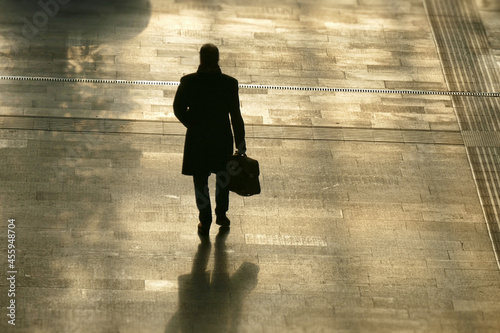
368	219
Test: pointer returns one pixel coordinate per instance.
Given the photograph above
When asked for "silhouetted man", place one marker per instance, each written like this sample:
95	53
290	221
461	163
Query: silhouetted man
207	103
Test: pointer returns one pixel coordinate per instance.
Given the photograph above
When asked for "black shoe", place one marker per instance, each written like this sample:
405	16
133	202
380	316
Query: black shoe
223	221
202	230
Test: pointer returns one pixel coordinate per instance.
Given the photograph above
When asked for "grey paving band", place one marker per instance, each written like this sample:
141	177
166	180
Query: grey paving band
481	139
463	47
256	86
255	131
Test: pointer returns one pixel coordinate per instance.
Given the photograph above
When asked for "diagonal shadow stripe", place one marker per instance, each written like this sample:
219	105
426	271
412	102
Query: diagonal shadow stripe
469	66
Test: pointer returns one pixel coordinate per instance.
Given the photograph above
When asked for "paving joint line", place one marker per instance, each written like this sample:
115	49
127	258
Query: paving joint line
254	86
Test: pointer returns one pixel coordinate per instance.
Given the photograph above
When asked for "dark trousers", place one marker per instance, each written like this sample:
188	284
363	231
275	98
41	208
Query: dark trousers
202	195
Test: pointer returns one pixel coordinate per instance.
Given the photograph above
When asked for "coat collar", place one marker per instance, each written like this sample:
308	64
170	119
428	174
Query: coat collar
209	70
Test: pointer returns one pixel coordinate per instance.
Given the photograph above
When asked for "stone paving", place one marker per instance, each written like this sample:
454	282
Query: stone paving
369	219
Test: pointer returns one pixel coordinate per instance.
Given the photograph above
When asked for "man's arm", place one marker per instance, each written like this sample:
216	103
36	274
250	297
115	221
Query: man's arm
237	121
181	104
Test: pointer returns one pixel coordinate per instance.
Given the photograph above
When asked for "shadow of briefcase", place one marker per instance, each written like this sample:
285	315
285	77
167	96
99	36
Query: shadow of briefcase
243	175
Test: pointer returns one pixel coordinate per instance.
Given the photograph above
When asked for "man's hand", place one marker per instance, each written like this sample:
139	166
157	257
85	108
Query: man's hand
242	149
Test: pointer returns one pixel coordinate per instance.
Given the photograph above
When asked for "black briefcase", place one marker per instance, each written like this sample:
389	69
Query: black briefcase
243	175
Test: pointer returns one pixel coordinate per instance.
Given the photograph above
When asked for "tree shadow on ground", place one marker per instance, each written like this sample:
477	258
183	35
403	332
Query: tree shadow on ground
65	187
67	37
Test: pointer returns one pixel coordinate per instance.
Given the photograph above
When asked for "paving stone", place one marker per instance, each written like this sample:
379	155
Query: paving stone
369	218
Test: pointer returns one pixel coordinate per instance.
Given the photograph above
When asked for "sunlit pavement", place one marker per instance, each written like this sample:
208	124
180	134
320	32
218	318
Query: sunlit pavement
376	126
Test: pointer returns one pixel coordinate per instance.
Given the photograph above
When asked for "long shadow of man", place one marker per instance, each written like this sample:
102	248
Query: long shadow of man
212	302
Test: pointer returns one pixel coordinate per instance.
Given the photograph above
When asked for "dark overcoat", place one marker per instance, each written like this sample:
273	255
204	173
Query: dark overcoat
207	103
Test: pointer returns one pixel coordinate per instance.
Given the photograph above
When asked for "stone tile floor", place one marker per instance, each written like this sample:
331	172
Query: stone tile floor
369	219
